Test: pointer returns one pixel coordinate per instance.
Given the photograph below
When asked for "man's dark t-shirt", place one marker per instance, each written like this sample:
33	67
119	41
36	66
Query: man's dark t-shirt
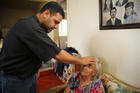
25	46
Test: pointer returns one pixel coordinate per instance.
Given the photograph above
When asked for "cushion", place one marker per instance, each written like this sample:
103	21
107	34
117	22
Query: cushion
113	85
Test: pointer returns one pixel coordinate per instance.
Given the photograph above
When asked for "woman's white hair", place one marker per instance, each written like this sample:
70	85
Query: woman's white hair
98	70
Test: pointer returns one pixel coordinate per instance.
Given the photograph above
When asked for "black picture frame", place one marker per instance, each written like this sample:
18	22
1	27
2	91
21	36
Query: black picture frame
102	25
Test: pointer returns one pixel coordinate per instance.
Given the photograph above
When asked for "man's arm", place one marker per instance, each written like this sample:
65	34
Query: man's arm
67	58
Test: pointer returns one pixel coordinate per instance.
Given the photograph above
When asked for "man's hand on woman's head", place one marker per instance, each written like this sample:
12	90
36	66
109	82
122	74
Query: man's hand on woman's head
67	58
88	60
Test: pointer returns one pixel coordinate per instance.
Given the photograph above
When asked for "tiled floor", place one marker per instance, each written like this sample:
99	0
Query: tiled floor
47	80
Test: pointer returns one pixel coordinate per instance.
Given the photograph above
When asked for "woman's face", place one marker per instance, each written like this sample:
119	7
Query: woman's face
128	11
88	70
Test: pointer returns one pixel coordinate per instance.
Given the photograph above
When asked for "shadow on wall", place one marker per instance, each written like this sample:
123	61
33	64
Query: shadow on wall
104	64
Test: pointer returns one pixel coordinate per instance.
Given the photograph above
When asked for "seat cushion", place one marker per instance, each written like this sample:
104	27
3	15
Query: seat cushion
113	85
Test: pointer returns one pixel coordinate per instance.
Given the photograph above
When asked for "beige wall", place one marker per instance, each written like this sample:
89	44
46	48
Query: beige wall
8	17
118	49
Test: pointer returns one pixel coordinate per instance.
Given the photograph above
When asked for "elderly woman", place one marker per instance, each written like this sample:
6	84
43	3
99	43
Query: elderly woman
85	81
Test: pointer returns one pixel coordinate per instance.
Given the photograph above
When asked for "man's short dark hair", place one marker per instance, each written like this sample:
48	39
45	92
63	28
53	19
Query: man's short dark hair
54	8
113	9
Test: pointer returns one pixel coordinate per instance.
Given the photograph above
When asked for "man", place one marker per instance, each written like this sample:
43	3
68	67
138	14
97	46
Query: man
26	45
113	20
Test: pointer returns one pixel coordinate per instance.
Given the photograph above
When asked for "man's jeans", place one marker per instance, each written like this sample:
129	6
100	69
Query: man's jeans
0	82
12	84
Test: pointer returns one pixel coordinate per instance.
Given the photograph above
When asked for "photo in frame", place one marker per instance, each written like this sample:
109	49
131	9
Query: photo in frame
119	14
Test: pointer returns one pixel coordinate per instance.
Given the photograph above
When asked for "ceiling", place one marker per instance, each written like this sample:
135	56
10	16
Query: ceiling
25	4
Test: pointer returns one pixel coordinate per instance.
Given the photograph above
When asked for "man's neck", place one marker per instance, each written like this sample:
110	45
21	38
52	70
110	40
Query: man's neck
113	18
39	17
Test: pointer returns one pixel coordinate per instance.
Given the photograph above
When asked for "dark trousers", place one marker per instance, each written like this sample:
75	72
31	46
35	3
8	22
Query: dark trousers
0	82
12	84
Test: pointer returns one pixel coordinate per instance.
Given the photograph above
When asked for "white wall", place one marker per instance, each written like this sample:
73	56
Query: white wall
118	49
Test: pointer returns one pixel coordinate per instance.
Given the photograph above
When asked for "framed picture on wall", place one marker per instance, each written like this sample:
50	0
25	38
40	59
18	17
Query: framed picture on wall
119	14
